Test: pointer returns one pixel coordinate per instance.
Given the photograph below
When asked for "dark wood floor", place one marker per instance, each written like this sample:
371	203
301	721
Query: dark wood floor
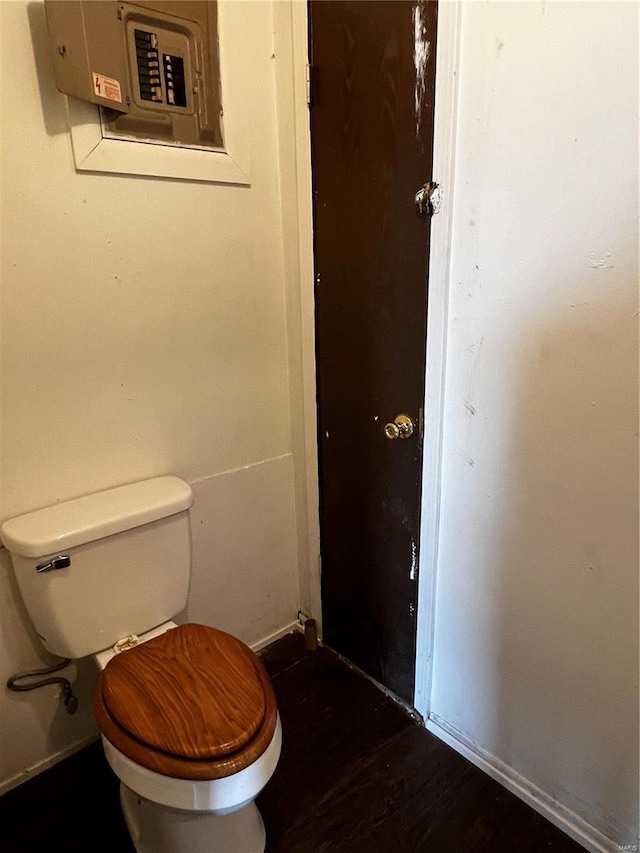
356	774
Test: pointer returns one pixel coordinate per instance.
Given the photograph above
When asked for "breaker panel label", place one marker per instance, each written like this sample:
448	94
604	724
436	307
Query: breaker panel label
107	88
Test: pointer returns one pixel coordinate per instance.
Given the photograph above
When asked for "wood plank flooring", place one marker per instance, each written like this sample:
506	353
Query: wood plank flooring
356	774
359	775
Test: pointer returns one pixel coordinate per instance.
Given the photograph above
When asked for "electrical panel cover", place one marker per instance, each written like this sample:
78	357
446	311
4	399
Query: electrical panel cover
152	66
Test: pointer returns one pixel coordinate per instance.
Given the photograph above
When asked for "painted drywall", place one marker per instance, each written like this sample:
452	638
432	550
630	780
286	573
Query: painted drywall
144	331
536	634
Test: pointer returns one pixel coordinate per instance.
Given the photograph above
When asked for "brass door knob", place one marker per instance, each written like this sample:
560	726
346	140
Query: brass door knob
402	427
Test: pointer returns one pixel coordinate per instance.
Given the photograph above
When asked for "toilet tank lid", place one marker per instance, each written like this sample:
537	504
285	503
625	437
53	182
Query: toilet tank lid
72	523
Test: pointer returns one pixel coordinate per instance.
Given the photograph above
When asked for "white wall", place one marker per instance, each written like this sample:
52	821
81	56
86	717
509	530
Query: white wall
536	640
120	363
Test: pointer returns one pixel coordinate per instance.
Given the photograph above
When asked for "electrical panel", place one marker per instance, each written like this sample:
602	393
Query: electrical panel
152	67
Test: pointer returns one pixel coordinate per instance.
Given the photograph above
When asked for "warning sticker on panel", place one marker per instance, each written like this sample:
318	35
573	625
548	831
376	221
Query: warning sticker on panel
107	88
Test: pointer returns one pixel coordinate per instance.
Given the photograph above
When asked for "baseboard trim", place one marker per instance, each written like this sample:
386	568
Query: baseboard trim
276	635
562	817
45	764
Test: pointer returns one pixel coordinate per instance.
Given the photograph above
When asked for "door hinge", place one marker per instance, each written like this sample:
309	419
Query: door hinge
429	198
309	81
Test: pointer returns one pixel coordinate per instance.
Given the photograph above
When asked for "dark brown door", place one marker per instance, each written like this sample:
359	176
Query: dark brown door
372	139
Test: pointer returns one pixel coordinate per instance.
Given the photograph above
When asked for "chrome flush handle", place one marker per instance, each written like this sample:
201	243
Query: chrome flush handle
61	562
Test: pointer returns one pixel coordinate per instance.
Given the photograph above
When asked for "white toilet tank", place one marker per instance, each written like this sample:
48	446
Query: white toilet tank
129	556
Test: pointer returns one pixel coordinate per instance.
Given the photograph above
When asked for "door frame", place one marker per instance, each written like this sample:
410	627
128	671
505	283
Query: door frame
291	60
444	144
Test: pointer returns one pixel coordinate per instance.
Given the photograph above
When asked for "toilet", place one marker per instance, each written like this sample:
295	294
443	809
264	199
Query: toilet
187	713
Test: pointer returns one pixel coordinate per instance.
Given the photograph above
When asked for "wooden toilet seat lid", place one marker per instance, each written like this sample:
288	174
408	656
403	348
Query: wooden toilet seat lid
193	692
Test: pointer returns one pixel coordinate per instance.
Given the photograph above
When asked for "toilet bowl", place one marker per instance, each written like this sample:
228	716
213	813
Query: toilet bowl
189	725
218	796
187	713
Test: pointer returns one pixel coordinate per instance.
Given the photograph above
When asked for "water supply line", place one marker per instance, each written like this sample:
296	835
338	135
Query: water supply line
70	701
